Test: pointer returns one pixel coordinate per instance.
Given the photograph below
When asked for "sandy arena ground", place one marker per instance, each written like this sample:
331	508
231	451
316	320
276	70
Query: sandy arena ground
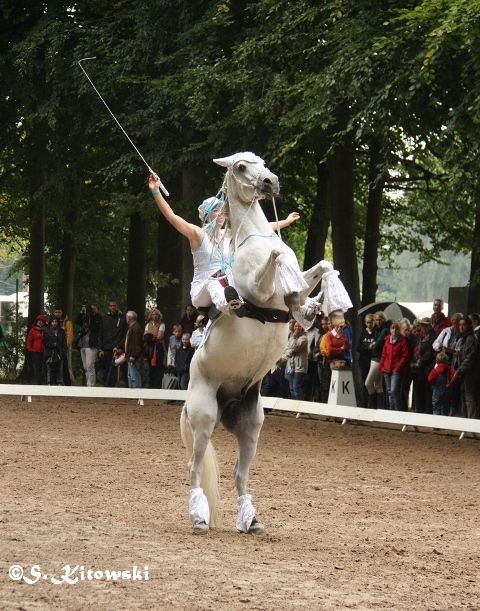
356	517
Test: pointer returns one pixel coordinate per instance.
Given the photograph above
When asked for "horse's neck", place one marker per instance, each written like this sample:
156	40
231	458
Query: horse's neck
247	220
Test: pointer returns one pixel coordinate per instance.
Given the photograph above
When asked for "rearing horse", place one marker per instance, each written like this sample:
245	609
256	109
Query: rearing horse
227	369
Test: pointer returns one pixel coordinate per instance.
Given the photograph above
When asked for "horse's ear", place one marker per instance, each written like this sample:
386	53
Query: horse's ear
223	161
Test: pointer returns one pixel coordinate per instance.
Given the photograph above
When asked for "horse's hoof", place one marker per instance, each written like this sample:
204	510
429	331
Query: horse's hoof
256	528
234	301
200	528
292	300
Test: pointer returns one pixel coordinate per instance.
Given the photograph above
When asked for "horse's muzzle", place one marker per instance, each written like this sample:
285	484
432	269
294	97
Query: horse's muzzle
269	186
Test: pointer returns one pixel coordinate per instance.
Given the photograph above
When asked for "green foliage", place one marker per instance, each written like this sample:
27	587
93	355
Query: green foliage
193	80
12	348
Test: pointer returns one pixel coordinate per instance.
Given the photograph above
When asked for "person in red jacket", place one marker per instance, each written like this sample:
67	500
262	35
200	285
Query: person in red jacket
392	364
337	343
439	378
35	347
438	318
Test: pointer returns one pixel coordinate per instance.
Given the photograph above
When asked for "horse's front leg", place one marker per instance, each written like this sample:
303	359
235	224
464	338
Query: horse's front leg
245	423
313	276
263	281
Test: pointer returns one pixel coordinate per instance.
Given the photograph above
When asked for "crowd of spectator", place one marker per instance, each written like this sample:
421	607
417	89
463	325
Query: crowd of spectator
114	348
430	365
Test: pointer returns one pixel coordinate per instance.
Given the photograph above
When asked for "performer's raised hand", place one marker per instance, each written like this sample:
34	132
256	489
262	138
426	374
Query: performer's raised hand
153	182
292	217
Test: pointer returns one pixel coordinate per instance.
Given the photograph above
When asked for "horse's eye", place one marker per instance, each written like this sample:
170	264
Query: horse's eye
241	167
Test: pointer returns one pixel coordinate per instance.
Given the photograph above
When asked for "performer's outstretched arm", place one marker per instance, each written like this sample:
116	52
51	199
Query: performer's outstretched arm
189	230
291	218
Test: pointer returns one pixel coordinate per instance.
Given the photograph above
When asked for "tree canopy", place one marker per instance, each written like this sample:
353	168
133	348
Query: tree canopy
368	111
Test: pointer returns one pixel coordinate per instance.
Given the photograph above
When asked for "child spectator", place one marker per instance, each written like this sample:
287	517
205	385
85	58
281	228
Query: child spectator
174	343
439	378
324	371
337	343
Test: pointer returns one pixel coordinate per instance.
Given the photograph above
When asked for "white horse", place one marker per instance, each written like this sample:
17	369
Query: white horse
227	369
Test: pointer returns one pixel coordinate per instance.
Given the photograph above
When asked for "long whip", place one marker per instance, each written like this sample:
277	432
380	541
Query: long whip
162	187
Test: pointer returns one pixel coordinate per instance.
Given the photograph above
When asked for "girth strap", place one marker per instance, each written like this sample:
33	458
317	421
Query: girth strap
264	314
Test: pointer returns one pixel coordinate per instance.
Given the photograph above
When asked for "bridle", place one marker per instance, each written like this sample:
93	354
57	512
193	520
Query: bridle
255	197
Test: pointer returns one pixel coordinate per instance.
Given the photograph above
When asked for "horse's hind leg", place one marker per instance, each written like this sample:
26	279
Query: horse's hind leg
245	422
200	416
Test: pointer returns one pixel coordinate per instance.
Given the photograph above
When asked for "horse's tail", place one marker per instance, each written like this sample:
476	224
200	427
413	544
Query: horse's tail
210	473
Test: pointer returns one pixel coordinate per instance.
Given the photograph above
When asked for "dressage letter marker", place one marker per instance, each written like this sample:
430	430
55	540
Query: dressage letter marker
342	390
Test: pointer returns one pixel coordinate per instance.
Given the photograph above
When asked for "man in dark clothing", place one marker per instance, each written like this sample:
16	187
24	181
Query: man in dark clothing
438	319
188	319
422	391
134	350
55	344
183	358
112	335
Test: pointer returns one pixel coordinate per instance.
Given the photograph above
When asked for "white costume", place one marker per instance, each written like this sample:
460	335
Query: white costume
333	298
209	259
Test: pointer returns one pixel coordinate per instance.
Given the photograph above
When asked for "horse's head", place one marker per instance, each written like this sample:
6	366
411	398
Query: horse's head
248	177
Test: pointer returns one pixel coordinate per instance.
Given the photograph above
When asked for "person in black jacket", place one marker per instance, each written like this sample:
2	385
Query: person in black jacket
374	382
364	350
467	370
112	337
55	344
183	358
422	391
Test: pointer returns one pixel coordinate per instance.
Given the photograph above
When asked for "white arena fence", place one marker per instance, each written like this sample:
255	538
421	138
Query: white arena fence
378	417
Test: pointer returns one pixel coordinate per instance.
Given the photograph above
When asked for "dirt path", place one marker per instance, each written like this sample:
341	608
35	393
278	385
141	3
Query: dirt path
357	517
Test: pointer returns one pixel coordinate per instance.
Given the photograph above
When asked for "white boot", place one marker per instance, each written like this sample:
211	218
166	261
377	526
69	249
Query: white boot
198	510
246	520
291	277
335	297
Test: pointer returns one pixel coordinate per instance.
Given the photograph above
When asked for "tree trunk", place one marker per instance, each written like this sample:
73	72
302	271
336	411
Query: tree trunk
36	250
193	189
474	284
320	220
36	263
68	259
376	182
169	265
340	195
137	266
